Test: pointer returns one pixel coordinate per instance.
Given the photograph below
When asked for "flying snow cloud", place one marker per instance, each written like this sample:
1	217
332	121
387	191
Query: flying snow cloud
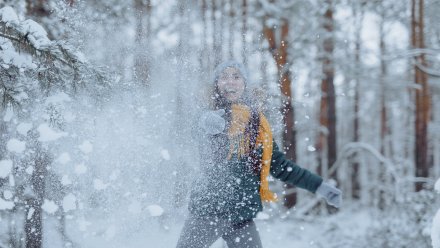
48	134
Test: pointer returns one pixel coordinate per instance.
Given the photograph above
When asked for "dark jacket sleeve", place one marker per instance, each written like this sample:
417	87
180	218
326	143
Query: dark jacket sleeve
287	171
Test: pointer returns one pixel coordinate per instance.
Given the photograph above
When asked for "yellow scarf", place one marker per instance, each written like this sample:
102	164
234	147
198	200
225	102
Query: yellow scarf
240	144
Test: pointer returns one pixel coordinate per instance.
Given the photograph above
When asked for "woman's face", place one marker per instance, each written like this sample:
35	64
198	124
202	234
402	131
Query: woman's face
231	84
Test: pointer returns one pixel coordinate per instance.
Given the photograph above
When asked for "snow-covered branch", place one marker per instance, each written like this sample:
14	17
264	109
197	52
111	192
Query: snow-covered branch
412	53
353	147
31	37
431	72
356	147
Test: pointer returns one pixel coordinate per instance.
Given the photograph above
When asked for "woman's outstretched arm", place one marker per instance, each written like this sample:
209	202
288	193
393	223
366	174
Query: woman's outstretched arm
287	171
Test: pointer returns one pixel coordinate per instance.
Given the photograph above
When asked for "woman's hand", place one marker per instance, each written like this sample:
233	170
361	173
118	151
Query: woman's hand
212	122
331	194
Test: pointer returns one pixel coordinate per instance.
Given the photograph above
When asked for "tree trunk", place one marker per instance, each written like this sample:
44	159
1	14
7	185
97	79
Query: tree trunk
384	127
37	8
215	34
279	53
204	58
34	211
422	95
141	63
327	137
180	130
222	28
355	179
243	32
34	223
231	29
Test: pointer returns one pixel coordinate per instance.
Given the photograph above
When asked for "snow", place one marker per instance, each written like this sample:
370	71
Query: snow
110	232
98	184
8	16
435	229
23	128
15	145
262	216
7	194
30	213
5	167
29	170
135	207
81	57
155	210
11	181
165	154
115	174
8	115
83	224
64	158
49	207
65	180
4	205
86	147
80	169
58	98
311	148
20	96
48	134
69	116
10	57
69	202
346	229
437	186
36	34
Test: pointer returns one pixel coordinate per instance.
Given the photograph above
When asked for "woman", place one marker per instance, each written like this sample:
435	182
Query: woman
237	155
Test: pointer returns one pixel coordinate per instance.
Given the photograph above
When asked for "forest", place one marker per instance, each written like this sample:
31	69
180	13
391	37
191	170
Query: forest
99	101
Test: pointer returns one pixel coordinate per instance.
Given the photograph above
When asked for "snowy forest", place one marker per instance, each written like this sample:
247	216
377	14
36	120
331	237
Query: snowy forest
99	100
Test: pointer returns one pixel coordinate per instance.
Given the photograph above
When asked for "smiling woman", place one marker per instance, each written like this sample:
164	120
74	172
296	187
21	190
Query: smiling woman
237	155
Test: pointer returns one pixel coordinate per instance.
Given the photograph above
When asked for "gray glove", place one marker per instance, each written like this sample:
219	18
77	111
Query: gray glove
331	194
212	122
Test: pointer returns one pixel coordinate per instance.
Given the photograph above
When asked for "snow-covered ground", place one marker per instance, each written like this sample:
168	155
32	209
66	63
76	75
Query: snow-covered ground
344	229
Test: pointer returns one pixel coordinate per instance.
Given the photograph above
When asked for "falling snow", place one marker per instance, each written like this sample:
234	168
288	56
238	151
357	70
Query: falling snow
48	134
5	168
15	145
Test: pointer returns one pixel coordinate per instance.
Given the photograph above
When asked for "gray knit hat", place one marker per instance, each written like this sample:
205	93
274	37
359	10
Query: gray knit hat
233	64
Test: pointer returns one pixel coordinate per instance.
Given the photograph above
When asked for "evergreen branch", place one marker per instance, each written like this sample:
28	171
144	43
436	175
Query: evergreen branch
23	40
56	51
